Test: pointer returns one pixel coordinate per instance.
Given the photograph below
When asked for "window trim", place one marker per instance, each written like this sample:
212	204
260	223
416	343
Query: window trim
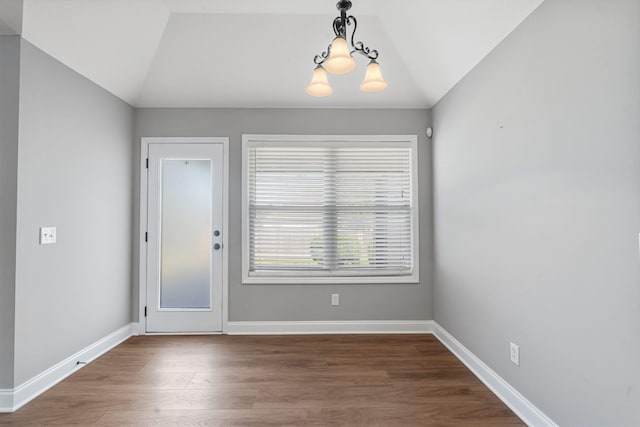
257	140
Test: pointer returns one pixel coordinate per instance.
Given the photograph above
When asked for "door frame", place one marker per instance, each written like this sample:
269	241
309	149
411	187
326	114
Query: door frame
142	259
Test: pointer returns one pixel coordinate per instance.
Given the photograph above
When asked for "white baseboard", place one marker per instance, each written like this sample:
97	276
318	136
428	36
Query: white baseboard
136	329
12	400
6	400
526	410
332	327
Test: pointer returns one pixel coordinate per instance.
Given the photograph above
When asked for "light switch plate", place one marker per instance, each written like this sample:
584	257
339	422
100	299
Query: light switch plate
47	235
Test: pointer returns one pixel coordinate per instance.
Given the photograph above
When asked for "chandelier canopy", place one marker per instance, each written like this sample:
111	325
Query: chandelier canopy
338	59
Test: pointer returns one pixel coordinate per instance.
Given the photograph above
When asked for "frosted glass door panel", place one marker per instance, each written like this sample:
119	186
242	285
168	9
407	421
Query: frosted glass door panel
185	241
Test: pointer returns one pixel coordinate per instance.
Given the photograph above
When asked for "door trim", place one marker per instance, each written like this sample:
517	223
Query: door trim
142	247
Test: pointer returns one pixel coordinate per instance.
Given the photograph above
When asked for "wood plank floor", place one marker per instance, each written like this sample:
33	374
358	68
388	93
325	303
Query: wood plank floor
312	380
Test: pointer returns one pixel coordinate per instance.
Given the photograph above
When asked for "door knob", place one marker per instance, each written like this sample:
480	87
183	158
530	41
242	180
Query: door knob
217	246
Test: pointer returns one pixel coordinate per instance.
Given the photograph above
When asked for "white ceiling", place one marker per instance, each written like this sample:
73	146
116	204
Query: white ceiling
259	53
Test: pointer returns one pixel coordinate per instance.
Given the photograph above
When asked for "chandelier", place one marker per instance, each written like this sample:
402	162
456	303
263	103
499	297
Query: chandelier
337	59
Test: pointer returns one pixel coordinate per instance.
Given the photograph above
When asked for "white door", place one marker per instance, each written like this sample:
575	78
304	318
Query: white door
184	242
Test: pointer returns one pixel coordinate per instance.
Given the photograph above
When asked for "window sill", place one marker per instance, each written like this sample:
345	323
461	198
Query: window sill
324	280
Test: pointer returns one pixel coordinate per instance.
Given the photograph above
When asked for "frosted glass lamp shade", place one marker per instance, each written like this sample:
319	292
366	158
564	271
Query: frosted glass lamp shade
340	60
319	85
373	81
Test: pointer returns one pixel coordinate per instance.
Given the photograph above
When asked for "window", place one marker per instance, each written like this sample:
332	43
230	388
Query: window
330	209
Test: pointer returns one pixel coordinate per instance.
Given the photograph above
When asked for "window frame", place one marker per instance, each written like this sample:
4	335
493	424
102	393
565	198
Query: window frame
293	277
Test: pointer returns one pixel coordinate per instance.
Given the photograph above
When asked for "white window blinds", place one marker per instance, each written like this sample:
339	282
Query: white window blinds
334	210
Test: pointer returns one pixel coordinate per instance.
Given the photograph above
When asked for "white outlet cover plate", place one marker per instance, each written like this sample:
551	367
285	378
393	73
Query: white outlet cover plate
335	299
515	354
47	235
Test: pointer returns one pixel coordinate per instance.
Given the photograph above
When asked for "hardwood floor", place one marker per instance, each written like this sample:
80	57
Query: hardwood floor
312	380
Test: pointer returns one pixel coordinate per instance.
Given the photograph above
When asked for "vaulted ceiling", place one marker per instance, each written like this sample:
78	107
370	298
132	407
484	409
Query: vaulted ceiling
259	53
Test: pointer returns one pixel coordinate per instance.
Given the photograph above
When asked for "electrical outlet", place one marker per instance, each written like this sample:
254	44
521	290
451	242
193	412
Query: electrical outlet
335	299
515	354
47	235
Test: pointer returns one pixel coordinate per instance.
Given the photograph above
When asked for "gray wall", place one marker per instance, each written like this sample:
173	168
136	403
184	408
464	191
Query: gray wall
537	210
9	89
305	302
74	172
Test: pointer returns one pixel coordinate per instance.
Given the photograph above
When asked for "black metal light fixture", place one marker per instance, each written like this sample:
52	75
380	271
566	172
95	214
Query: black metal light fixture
337	59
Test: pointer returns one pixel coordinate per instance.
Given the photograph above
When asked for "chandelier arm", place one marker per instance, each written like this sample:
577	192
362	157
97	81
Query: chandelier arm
359	46
319	59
